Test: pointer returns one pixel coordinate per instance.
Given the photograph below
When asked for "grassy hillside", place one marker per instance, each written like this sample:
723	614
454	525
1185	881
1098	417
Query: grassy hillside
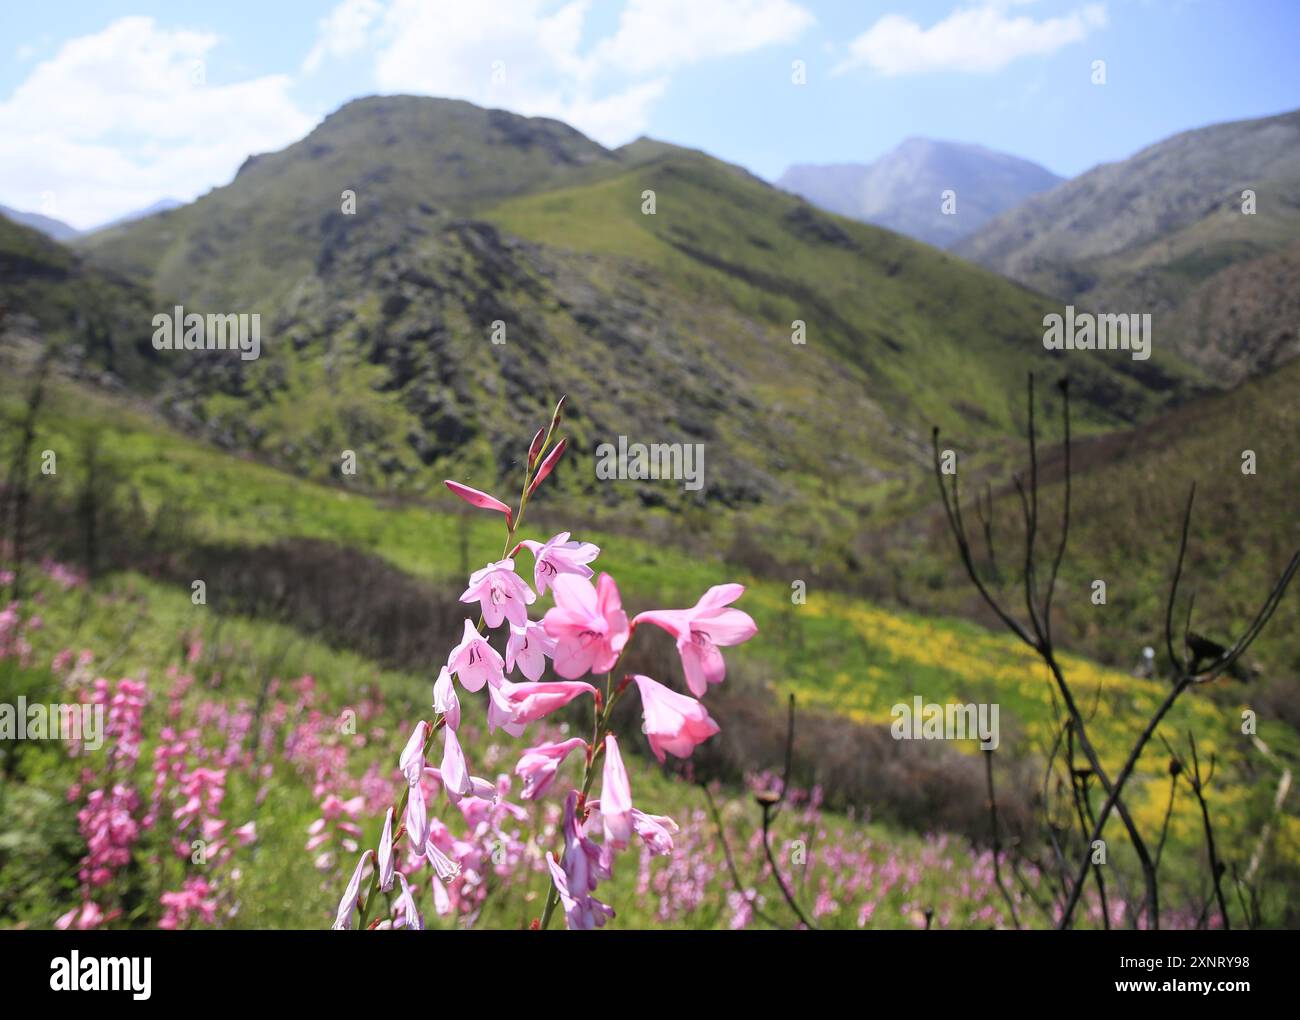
379	326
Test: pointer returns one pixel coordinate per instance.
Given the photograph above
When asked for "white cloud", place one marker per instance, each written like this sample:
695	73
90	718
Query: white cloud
115	120
528	55
343	32
656	35
973	39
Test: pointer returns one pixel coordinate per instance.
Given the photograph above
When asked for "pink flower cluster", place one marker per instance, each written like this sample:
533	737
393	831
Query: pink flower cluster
585	633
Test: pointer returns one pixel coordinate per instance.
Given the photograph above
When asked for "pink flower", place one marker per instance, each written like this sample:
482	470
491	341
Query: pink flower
500	593
475	497
656	830
343	918
537	766
454	771
559	556
615	797
701	630
585	863
582	867
474	660
411	919
385	856
445	868
455	776
445	700
581	913
673	722
529	702
411	761
588	625
529	646
417	813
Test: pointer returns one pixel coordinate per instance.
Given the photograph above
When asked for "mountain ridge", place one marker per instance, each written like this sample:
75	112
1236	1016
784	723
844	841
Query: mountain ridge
905	189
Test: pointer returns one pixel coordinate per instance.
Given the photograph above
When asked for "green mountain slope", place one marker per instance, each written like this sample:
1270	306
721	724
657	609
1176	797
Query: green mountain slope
49	294
378	327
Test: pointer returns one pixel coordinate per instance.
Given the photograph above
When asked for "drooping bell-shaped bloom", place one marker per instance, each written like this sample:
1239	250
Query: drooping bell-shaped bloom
587	623
475	661
501	593
701	630
411	919
559	556
500	713
585	863
384	859
445	700
581	912
529	646
441	900
417	813
673	722
529	702
445	868
455	773
656	830
412	760
615	797
537	766
351	895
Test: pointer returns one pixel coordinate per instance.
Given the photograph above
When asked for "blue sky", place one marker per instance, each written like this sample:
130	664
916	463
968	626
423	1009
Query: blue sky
106	107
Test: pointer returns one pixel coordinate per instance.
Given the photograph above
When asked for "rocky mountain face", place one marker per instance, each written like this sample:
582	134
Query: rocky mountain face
905	190
1199	230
